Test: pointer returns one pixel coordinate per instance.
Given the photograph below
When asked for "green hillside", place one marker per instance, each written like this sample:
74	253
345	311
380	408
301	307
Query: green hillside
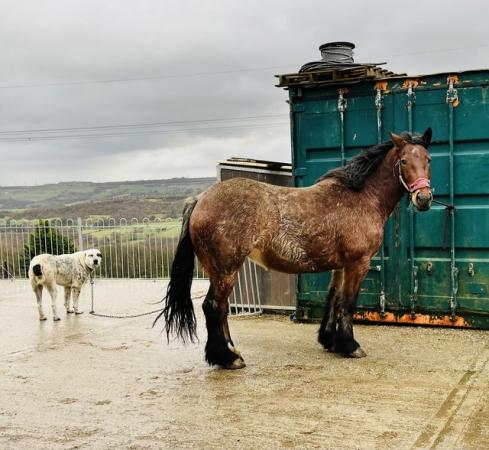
159	198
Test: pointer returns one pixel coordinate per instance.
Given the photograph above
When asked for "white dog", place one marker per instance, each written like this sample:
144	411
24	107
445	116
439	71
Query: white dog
70	271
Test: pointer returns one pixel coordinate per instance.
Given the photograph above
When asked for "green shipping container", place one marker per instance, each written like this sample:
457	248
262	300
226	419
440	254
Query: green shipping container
434	266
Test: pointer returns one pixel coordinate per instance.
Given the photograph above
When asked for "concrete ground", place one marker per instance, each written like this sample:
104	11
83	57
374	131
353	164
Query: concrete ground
91	382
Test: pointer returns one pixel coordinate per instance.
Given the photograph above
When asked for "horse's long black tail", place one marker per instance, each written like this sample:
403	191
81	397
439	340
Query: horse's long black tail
179	310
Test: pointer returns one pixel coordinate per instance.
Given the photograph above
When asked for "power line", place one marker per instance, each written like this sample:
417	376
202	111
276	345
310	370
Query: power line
147	78
142	125
141	133
428	52
220	72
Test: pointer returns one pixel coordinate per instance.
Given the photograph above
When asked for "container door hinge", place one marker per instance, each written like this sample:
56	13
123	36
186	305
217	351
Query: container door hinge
410	85
342	104
452	93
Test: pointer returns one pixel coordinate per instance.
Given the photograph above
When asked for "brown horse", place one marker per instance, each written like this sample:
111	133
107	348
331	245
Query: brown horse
336	224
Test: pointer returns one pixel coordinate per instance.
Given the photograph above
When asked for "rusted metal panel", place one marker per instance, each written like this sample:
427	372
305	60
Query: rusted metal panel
418	319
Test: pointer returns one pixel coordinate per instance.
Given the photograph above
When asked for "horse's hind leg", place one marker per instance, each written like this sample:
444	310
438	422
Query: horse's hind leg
345	342
220	349
327	330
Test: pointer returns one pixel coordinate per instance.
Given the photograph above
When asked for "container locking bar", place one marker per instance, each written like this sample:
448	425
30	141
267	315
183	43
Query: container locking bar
342	104
379	103
452	101
414	296
413	288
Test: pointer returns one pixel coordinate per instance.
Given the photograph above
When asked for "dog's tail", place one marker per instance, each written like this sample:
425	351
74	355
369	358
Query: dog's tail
179	310
37	270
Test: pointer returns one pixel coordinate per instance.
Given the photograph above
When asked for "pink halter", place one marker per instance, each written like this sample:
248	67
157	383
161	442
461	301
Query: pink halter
419	183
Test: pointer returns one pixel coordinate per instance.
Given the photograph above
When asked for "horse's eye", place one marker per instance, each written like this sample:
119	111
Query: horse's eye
403	162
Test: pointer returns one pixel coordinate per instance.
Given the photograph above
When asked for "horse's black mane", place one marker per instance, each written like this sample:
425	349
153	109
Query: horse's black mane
355	172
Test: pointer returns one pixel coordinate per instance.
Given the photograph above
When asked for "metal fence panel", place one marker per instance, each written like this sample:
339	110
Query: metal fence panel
131	249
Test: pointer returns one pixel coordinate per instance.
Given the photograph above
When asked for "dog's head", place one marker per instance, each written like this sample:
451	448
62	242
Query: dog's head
92	258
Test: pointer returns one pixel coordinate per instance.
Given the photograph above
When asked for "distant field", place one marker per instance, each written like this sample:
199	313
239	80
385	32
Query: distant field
137	232
51	195
136	199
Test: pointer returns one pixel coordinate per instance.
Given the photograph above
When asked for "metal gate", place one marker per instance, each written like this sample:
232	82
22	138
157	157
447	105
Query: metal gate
260	289
433	267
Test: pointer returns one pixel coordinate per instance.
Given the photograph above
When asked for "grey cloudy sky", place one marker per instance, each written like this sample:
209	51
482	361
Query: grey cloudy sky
207	65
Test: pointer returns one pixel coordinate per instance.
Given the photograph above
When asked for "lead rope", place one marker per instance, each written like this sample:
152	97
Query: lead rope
449	209
126	316
91	292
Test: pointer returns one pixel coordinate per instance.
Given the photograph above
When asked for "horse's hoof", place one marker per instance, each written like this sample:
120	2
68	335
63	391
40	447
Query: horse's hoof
238	363
56	319
78	312
332	349
234	350
358	353
43	318
70	311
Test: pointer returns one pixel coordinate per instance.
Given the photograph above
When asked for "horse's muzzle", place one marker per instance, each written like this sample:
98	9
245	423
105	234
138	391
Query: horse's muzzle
422	199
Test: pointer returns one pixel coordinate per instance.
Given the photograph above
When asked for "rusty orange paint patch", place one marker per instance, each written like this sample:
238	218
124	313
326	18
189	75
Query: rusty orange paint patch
453	78
413	83
419	319
382	85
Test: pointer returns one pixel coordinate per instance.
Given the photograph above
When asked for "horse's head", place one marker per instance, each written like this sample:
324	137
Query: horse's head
413	169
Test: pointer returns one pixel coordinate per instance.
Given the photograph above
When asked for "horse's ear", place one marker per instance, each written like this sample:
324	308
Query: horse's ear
398	141
427	137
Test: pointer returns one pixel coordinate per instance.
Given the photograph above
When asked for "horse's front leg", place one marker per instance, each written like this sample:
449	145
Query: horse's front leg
353	276
219	349
327	330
